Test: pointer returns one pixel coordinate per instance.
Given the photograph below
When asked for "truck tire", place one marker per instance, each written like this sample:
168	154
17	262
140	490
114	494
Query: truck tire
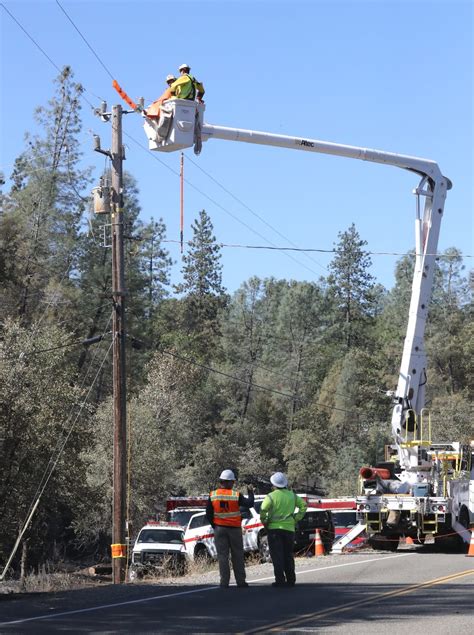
202	555
263	549
464	519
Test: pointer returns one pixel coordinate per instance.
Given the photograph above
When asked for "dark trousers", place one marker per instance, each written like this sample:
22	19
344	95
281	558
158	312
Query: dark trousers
229	539
281	544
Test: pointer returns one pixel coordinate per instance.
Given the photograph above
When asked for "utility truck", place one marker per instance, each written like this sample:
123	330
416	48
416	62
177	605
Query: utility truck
422	488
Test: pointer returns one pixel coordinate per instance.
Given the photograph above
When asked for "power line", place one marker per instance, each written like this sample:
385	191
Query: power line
325	251
84	39
86	342
47	475
91	363
30	37
214	202
251	210
193	362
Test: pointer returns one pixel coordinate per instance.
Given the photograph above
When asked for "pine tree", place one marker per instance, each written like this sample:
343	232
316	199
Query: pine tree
353	288
204	296
40	224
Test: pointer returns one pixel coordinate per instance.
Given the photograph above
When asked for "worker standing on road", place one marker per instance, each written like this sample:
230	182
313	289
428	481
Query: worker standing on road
279	516
223	512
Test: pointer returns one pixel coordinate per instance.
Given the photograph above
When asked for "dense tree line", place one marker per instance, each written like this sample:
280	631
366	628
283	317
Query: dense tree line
279	374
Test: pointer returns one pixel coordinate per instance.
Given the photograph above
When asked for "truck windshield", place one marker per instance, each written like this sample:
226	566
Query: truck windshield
182	517
161	535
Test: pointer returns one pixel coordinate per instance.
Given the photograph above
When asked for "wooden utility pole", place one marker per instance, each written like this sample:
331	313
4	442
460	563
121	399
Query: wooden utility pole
113	203
119	549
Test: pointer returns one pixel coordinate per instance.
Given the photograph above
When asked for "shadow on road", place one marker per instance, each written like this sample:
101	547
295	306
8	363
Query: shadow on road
208	609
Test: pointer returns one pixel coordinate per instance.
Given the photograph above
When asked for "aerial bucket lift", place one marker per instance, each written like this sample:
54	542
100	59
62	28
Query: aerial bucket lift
411	487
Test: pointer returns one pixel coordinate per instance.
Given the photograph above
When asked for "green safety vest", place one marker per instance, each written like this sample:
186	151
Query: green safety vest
278	510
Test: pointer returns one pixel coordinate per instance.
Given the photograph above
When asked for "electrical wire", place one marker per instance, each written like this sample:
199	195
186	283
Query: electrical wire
91	363
326	251
218	205
56	348
46	480
236	218
227	191
193	362
84	39
30	37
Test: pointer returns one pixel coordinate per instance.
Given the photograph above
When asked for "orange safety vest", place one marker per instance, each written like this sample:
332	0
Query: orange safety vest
225	503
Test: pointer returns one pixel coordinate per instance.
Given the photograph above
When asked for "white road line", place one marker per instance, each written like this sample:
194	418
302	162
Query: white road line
180	593
336	566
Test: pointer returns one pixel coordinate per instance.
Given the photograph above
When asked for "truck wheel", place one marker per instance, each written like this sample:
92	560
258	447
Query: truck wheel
263	549
380	542
464	517
202	555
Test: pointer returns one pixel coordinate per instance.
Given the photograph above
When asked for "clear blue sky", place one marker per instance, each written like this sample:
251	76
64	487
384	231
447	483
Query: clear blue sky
394	76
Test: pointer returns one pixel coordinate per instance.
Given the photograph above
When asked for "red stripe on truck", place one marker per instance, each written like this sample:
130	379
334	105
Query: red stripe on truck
199	538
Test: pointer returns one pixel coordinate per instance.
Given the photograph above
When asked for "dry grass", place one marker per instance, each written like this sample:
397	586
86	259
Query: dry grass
201	565
48	580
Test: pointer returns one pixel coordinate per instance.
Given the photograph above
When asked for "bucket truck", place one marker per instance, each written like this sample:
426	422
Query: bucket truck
423	487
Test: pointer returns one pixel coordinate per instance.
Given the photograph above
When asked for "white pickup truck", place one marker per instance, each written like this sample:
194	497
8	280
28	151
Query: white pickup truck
158	548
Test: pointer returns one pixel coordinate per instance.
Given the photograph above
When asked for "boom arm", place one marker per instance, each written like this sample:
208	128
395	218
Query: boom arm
188	129
424	167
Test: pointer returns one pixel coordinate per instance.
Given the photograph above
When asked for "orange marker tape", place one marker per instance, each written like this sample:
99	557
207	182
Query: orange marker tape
124	95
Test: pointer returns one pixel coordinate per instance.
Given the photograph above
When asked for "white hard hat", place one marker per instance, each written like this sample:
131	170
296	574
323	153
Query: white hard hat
227	475
183	66
170	77
279	480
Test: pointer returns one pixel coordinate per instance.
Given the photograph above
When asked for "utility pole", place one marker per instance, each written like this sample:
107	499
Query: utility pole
118	334
116	154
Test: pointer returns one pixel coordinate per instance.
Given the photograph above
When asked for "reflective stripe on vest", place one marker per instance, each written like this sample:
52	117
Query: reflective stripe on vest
225	503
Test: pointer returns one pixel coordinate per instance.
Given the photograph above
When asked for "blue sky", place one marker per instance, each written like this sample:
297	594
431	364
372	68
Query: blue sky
394	76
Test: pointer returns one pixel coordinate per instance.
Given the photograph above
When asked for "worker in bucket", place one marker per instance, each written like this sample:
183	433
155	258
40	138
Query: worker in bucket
170	79
185	87
223	513
279	513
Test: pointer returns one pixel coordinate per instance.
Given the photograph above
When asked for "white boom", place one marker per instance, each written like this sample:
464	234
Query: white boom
182	126
430	491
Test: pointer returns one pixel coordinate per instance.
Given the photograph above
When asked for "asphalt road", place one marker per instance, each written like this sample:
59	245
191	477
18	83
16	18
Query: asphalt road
410	591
